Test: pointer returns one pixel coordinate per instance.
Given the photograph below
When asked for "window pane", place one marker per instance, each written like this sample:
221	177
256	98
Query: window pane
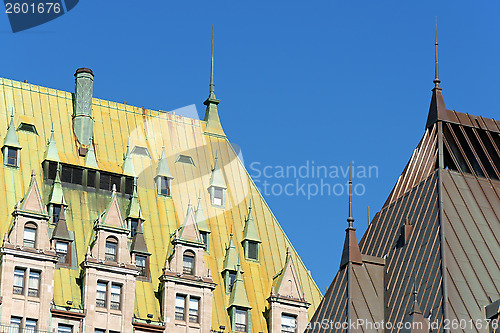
64	328
288	323
232	277
180	302
29	237
188	264
140	262
56	210
240	320
34	283
30	326
11	157
62	252
253	250
111	250
98	330
91	178
194	304
15	324
101	294
164	186
18	281
115	297
133	226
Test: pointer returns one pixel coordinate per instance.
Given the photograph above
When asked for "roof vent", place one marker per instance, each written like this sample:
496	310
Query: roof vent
141	151
25	127
185	159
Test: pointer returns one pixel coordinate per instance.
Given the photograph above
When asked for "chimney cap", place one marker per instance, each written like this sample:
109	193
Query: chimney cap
84	70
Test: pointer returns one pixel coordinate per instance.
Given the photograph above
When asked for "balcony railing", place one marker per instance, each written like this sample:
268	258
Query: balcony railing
17	329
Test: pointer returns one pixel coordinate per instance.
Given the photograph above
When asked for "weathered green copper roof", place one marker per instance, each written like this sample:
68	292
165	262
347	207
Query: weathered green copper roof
134	208
238	295
11	137
128	164
217	179
163	170
51	152
231	258
57	195
61	229
138	242
90	160
200	219
250	231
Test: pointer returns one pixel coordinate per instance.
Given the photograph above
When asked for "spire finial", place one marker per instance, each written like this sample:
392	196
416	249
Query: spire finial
350	219
212	85
436	70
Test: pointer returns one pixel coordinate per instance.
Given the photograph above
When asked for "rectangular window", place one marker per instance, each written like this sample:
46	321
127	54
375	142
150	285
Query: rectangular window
66	174
105	181
52	170
133	226
164	186
29	237
129	185
253	250
194	309
62	252
218	196
101	294
30	326
180	304
56	211
15	324
91	174
188	263
140	263
204	236
115	180
240	320
115	296
111	246
232	277
64	328
11	157
98	330
288	323
19	281
34	284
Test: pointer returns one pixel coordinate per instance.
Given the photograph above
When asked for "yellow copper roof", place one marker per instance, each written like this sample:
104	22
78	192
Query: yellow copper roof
116	125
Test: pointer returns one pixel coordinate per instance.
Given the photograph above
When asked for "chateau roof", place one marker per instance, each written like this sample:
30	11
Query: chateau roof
114	126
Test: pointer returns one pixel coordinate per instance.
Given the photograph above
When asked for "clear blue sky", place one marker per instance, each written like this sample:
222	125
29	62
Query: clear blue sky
323	81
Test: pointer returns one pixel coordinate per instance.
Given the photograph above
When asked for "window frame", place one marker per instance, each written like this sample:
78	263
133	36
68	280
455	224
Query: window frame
216	191
244	312
110	256
143	270
98	300
67	261
34	291
194	317
22	287
33	328
248	245
113	304
288	329
9	158
177	313
30	226
185	269
55	217
65	328
165	186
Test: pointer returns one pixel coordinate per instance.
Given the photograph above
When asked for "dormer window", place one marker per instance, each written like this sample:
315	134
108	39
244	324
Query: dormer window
111	248
241	320
62	250
133	226
164	188
29	237
11	156
56	210
218	196
141	262
288	323
188	263
204	236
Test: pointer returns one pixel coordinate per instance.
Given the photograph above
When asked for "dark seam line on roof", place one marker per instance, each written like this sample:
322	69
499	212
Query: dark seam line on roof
363	294
485	151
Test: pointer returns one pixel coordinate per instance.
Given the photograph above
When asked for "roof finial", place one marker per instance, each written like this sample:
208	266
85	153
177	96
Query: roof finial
212	85
436	71
350	219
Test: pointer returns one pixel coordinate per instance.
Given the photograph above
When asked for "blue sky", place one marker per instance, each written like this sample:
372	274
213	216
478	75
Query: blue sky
323	81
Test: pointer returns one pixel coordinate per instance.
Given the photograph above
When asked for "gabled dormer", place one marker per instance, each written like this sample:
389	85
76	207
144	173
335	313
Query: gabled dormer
134	213
217	187
110	243
56	199
239	307
287	303
201	221
163	177
231	261
187	285
251	240
29	229
11	147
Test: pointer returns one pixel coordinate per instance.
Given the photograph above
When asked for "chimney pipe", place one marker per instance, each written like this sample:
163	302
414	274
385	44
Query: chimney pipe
82	105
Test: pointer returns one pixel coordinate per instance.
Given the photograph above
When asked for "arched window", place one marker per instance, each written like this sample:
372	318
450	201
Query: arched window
111	248
29	237
188	262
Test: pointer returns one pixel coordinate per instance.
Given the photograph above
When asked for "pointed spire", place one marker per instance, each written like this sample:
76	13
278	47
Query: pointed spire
250	230
189	230
436	70
134	208
128	163
32	201
139	243
217	179
419	323
212	114
416	306
61	229
90	159
163	170
51	152
437	109
199	216
56	194
231	258
351	252
11	137
238	295
288	273
112	216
